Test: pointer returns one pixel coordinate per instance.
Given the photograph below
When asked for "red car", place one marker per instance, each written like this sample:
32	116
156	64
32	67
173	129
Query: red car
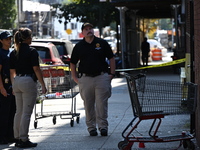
48	53
64	47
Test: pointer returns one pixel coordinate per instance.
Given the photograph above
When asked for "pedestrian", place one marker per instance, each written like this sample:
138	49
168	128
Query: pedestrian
25	70
7	99
94	78
145	47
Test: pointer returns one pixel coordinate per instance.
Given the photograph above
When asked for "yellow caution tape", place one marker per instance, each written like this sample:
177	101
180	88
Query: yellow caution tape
155	66
66	68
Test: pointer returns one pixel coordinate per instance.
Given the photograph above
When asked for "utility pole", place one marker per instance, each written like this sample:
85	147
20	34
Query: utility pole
122	34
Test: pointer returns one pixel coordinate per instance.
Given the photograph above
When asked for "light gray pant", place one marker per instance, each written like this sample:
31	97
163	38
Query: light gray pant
95	92
25	90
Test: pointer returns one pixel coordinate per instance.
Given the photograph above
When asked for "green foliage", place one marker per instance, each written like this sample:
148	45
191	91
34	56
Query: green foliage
100	14
166	24
7	14
151	25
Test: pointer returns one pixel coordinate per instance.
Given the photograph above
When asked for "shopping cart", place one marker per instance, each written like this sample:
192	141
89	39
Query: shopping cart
154	99
60	85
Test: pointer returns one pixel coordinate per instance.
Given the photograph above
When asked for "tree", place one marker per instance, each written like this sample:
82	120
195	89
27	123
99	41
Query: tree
100	14
166	24
151	27
8	14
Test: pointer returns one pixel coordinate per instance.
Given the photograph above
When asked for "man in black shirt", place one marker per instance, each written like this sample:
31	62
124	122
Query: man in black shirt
94	79
145	47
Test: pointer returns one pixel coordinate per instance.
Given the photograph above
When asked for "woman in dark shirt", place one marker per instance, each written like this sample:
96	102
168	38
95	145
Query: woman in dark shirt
24	71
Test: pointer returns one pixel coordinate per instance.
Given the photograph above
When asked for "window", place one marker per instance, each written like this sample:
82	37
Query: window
61	48
43	52
55	52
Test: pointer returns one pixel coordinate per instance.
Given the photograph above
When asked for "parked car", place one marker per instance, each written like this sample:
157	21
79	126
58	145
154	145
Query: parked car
64	47
154	43
48	53
75	41
113	43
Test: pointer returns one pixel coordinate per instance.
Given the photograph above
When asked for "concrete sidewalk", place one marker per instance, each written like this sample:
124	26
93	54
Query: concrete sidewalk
62	136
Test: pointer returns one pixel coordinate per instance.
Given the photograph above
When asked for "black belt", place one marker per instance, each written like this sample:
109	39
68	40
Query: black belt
91	75
24	75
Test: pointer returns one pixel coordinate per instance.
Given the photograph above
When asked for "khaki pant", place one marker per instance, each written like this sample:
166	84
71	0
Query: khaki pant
25	90
95	92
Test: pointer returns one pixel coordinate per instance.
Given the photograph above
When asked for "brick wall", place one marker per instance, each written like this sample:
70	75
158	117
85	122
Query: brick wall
197	62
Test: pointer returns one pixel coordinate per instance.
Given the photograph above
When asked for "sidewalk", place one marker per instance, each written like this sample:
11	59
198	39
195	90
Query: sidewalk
62	136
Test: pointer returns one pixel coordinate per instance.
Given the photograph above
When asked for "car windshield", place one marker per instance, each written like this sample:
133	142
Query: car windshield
43	52
75	41
61	48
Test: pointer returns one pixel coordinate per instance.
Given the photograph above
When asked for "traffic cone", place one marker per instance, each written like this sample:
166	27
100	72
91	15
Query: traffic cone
141	145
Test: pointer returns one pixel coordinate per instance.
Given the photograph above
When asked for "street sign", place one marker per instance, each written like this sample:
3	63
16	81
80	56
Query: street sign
69	31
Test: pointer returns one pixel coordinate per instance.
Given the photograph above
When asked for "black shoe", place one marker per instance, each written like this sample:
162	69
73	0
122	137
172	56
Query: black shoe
17	143
27	144
93	133
104	132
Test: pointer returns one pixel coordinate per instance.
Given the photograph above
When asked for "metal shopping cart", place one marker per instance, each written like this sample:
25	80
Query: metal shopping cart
154	99
60	85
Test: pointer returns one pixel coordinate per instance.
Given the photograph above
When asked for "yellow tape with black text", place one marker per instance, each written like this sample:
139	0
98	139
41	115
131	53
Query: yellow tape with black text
178	61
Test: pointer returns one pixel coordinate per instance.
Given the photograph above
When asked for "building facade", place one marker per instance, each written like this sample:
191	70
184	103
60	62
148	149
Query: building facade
39	16
196	14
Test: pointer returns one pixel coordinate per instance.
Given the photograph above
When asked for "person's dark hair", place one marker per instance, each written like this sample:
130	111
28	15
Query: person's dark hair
21	35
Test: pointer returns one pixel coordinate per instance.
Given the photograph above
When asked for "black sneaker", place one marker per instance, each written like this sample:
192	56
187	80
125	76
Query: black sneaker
93	133
17	143
104	132
27	144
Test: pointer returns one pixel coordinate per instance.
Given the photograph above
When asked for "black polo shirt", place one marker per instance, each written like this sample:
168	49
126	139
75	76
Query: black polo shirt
26	59
4	61
92	56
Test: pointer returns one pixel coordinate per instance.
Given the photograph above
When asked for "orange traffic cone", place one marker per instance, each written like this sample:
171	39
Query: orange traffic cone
141	145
